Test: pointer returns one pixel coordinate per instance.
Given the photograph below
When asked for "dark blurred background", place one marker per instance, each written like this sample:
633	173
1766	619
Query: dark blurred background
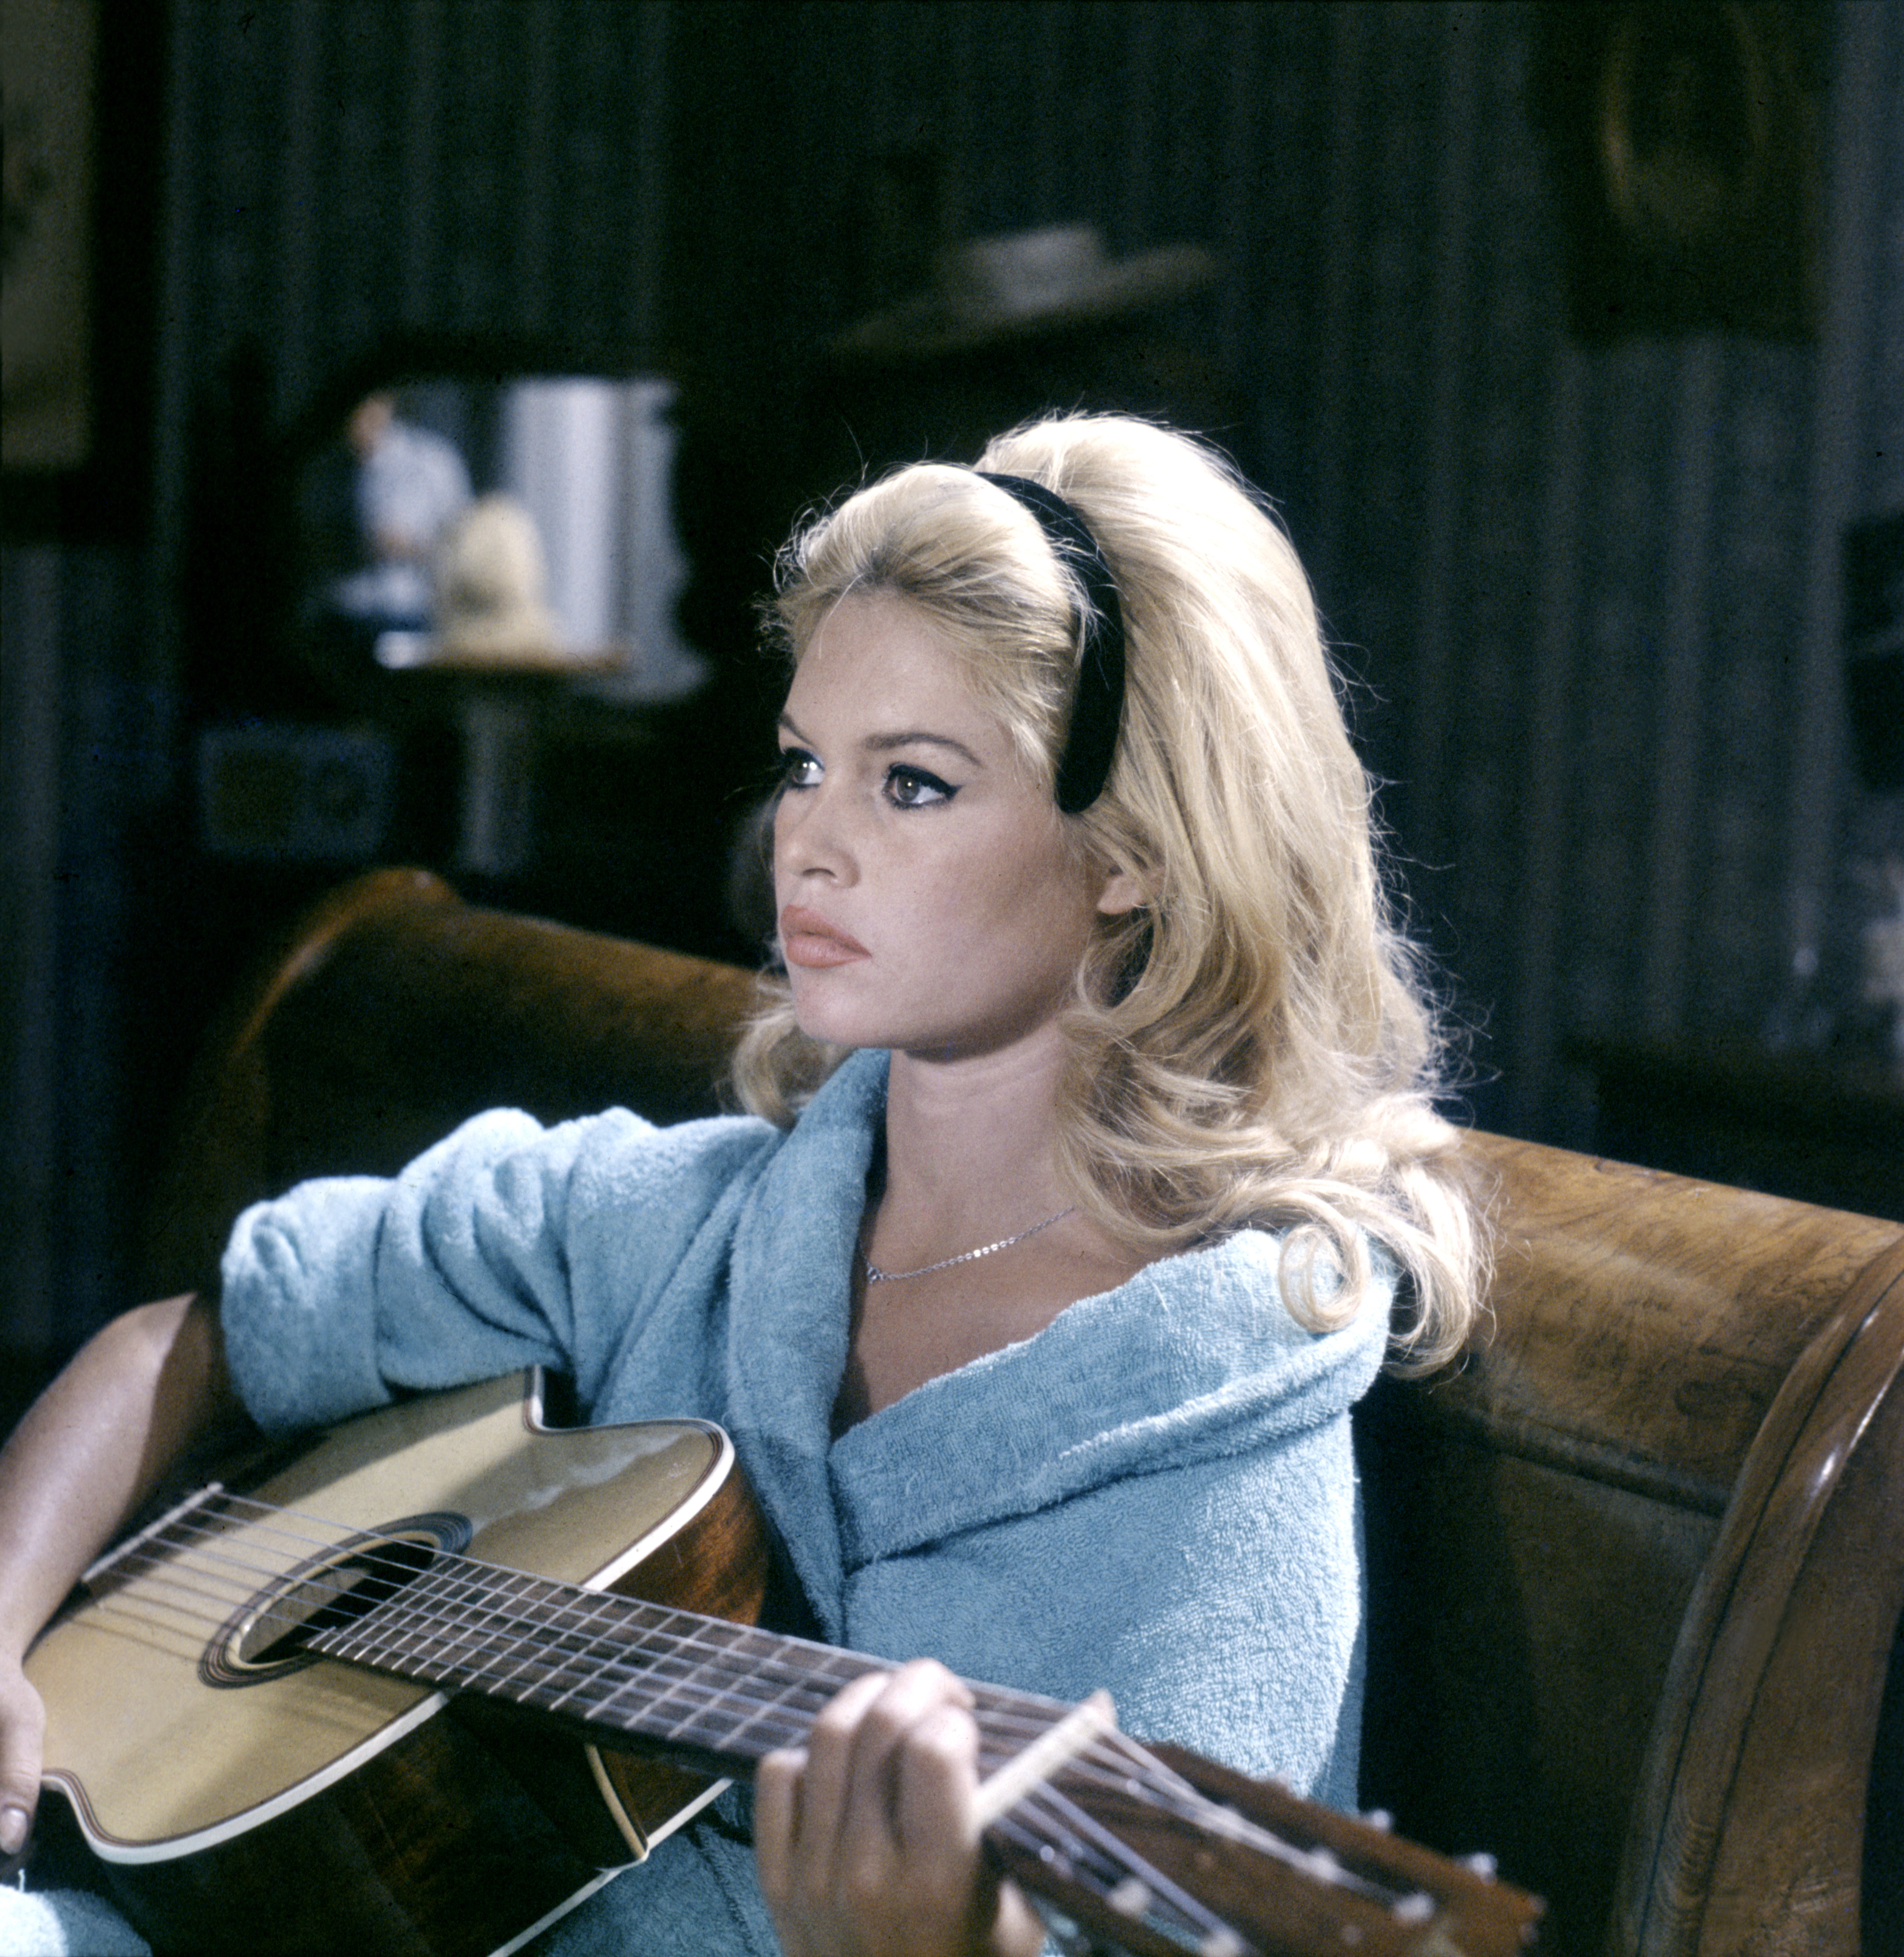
1569	342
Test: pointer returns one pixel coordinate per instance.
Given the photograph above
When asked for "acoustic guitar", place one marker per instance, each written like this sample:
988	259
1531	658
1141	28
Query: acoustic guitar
341	1713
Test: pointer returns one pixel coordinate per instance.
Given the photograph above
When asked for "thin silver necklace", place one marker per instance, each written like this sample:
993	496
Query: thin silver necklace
875	1275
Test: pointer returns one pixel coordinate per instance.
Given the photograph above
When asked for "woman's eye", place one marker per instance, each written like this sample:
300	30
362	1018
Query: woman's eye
799	769
913	788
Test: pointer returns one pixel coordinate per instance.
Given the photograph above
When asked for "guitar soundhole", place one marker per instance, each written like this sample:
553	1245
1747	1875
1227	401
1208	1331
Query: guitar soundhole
266	1636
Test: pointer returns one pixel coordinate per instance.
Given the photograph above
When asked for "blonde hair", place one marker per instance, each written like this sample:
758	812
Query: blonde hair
1253	1046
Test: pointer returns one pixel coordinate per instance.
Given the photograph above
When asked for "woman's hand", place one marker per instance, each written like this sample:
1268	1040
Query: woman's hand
23	1732
866	1840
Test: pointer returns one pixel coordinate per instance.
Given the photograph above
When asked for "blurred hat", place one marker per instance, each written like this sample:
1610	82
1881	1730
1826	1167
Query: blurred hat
990	290
492	583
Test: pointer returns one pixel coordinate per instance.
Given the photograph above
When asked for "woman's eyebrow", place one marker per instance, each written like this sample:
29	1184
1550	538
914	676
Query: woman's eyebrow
882	744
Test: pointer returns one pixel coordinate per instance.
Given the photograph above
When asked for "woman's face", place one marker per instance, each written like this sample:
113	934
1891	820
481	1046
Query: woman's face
927	899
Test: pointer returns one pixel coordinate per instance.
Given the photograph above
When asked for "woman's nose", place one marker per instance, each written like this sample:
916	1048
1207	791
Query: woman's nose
810	834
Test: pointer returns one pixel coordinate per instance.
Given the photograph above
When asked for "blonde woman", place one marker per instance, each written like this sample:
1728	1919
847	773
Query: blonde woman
1091	1168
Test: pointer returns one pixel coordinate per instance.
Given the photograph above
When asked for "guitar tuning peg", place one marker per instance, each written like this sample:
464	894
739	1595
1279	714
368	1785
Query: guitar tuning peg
1484	1865
1380	1817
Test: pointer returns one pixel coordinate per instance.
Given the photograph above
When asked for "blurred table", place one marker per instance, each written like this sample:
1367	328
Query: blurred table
504	717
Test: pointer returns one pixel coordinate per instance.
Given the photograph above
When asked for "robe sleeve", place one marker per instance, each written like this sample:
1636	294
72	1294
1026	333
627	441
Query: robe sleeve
507	1244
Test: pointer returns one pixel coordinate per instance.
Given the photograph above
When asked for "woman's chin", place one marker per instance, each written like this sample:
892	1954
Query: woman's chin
829	1013
828	1020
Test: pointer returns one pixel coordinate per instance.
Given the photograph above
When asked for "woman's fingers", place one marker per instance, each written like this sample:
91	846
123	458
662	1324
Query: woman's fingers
843	1752
937	1776
888	1749
776	1797
800	1796
23	1731
865	1837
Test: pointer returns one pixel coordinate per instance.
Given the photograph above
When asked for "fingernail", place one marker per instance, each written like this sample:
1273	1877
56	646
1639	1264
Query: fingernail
13	1830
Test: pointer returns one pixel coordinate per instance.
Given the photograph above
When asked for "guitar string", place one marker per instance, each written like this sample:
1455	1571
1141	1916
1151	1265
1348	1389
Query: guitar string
481	1665
611	1664
1122	1862
1000	1711
746	1663
743	1662
1149	1784
487	1584
1161	1888
1164	1903
1037	1822
785	1723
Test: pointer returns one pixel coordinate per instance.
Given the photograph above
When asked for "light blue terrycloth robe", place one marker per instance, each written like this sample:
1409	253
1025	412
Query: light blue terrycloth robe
1155	1494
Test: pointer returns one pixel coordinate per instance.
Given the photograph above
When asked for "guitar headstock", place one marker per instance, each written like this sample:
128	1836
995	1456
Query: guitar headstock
1192	1857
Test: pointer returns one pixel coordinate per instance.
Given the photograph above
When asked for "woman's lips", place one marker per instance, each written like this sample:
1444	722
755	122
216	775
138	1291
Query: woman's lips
808	941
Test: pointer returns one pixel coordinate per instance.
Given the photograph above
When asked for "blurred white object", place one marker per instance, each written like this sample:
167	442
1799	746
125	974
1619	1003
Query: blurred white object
987	290
592	462
492	581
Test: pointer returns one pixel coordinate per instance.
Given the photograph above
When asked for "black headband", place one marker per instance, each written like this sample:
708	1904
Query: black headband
1097	706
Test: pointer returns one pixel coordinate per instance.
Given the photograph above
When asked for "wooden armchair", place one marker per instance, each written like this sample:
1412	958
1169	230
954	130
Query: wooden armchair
1636	1570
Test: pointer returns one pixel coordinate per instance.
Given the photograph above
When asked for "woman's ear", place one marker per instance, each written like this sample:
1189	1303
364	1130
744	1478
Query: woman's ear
1121	893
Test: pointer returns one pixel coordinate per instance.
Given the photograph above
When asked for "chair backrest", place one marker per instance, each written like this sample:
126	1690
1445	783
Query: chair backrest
392	1011
1636	1568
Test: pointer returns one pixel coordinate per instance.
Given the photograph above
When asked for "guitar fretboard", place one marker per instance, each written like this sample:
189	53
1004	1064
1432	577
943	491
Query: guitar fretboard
625	1669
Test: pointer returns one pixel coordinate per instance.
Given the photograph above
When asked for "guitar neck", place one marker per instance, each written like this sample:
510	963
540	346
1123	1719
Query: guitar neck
1092	1827
713	1694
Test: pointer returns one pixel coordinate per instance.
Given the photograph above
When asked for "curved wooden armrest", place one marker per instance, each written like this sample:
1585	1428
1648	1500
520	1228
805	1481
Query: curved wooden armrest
1748	1832
1649	1542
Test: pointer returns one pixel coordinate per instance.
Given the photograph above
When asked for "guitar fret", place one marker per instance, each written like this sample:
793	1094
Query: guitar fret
640	1642
416	1623
426	1628
513	1652
455	1629
647	1717
581	1648
482	1639
769	1708
674	1695
624	1636
597	1638
793	1701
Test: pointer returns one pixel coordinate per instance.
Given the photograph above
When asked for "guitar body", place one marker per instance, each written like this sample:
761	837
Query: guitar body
237	1802
248	1720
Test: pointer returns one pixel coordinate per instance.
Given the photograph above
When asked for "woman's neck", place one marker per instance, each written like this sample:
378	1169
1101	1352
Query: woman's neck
969	1142
969	1162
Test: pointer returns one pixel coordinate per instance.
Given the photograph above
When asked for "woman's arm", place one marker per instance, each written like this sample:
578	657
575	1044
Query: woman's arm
146	1389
